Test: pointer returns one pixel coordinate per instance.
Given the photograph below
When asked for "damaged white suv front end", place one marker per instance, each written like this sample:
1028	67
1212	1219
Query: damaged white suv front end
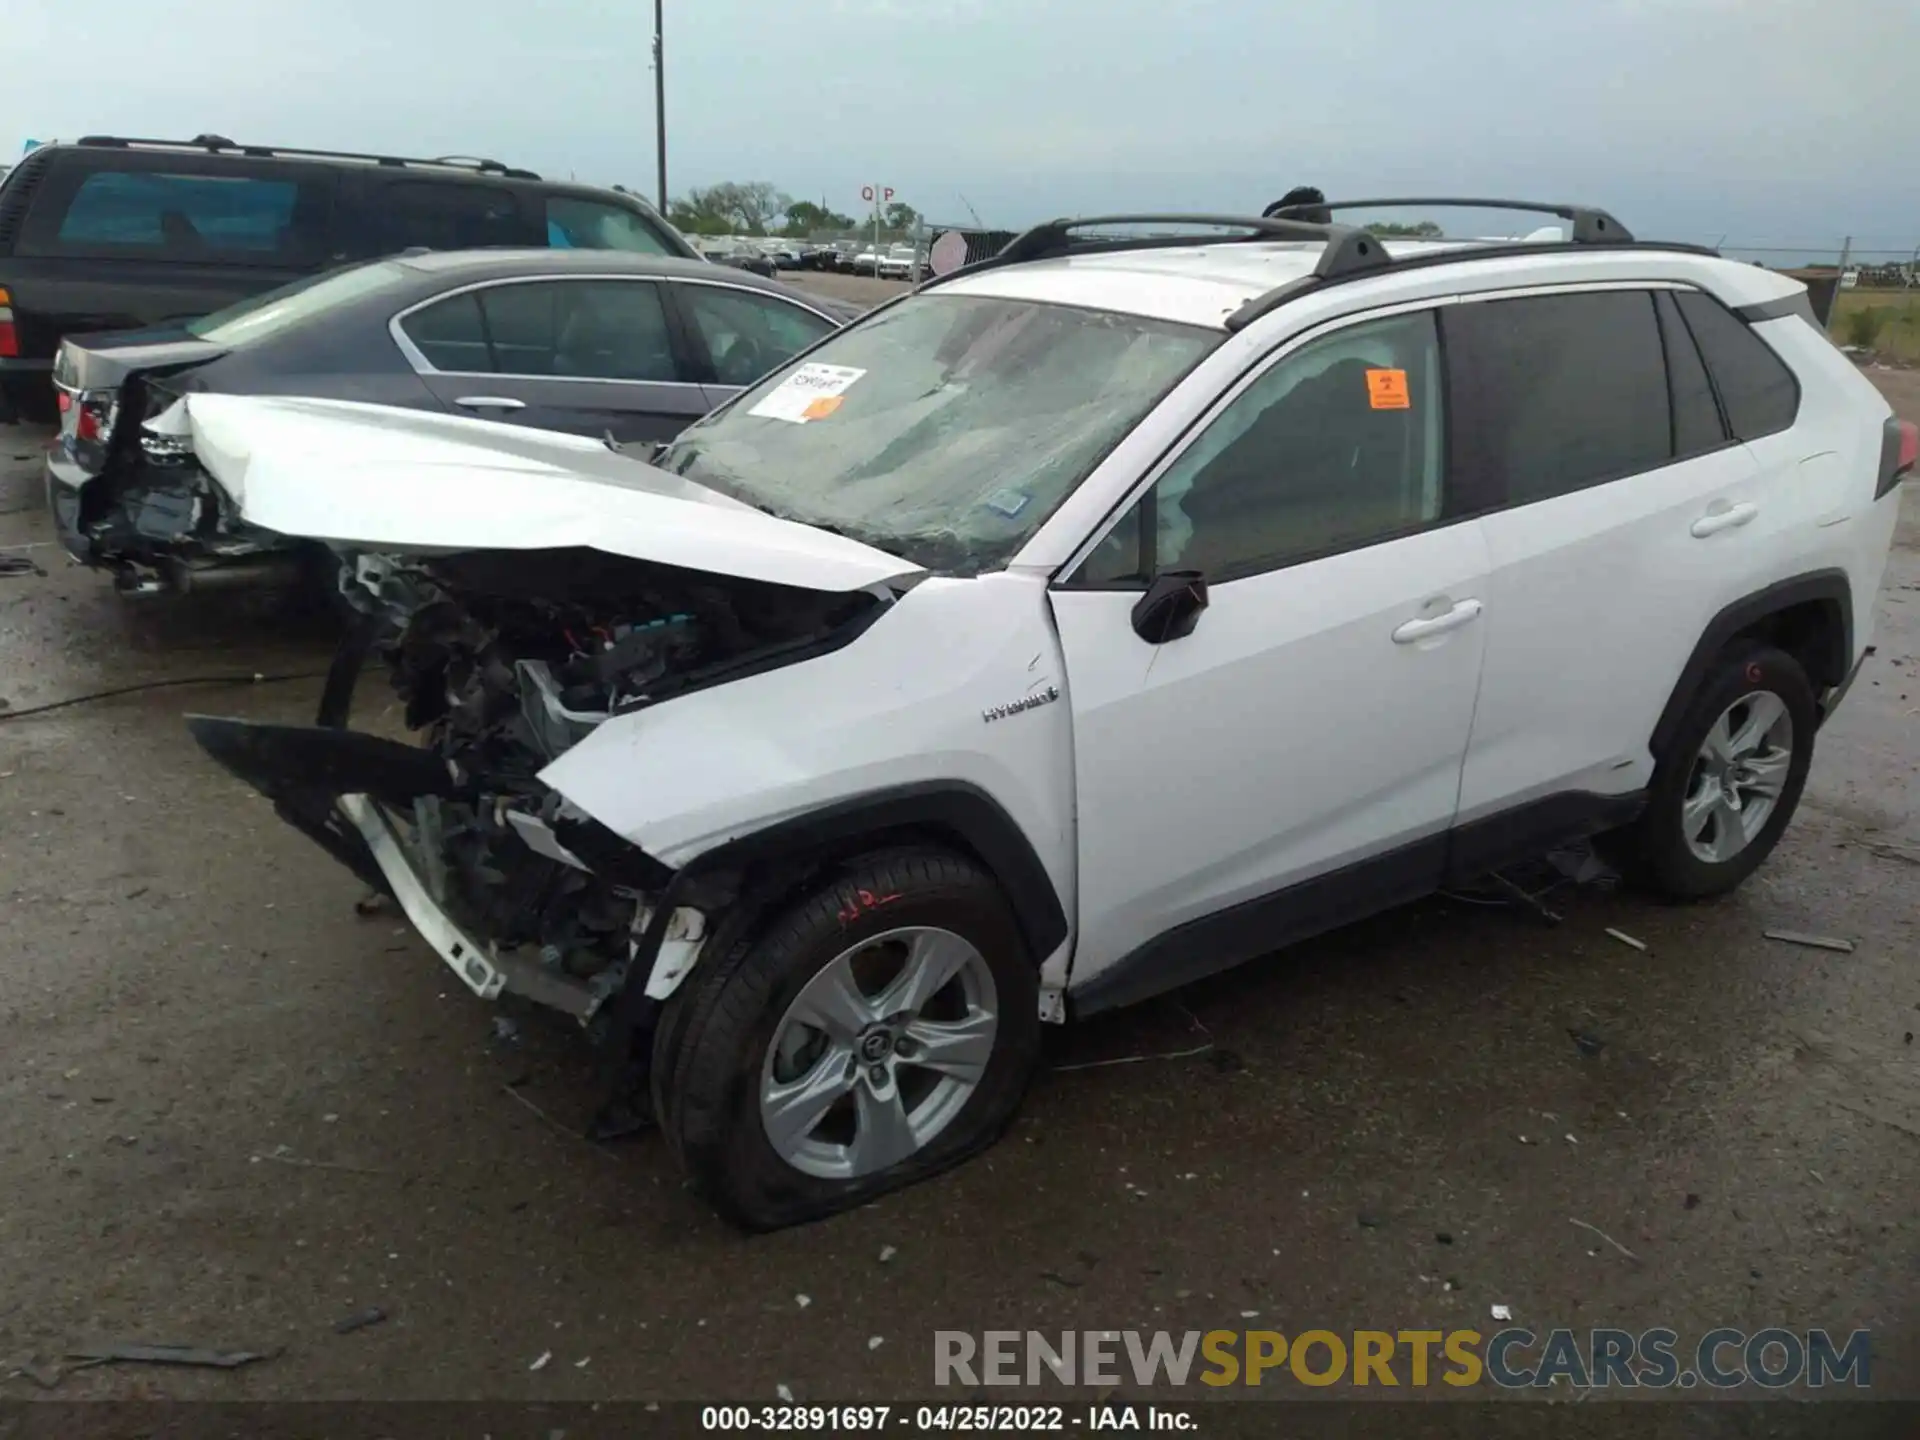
656	716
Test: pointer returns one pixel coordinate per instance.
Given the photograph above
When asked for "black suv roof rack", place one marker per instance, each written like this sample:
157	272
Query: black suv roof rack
220	145
1349	251
1587	226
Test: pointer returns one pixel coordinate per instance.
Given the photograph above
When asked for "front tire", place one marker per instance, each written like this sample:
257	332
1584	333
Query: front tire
881	1030
1729	782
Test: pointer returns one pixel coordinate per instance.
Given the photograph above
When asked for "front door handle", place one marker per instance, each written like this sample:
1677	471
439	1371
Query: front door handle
1463	613
491	402
1722	516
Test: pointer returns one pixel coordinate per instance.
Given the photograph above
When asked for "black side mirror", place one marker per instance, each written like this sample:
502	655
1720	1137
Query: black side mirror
1171	607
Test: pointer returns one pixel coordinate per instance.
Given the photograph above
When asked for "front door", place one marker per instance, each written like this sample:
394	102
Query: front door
1313	722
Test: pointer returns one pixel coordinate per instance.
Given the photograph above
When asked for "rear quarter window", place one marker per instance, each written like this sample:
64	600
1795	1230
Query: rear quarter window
1757	390
152	212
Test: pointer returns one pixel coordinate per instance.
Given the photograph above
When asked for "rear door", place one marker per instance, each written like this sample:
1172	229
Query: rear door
1623	520
115	239
591	356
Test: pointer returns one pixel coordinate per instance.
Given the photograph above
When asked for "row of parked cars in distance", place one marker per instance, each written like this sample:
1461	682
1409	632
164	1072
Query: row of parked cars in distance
769	256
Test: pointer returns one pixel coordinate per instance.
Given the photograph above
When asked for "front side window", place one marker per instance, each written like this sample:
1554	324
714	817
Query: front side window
1568	390
1340	444
562	329
577	224
746	334
944	429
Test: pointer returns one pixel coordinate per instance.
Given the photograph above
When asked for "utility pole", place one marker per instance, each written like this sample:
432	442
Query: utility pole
660	94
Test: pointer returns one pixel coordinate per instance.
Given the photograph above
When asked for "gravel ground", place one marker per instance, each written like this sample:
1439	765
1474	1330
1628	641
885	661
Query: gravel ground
232	1111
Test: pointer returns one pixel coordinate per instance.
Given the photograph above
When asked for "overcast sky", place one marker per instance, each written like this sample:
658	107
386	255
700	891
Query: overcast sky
1786	122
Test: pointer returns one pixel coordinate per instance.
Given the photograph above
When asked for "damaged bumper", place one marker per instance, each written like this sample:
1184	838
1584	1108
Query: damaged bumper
172	529
382	808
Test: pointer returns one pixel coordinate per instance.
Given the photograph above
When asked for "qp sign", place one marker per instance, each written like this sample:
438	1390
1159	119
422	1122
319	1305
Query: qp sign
885	192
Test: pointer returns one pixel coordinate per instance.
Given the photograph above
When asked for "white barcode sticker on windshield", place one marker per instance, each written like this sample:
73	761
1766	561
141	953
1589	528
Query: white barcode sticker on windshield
811	393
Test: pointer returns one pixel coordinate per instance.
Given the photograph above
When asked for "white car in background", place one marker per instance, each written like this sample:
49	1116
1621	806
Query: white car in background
1087	622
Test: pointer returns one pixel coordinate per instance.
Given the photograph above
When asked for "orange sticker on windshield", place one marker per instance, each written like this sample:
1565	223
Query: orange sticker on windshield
1387	390
823	407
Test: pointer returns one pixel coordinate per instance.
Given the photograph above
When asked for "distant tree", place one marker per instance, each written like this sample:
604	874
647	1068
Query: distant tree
806	218
730	207
1425	230
900	216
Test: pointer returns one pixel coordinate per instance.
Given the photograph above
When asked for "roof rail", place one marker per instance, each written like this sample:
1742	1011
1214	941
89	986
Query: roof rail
1587	226
220	145
1348	250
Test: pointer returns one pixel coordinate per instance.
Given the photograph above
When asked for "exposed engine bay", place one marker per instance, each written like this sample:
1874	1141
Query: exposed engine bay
504	660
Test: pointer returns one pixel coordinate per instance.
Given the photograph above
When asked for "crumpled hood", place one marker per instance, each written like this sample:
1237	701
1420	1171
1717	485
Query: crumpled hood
404	480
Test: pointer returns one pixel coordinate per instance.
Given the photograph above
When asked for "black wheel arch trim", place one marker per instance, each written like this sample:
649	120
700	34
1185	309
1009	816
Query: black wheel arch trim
1822	586
953	807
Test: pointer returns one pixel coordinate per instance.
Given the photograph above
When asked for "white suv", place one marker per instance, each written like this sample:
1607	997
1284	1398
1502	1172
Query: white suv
1089	620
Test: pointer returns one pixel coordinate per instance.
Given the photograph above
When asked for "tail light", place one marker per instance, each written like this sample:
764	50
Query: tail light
9	337
1899	452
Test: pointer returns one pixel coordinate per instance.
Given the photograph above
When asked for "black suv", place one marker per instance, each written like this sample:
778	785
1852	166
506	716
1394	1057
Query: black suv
115	234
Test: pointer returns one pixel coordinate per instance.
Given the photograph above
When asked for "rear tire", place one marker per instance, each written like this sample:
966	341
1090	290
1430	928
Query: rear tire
1730	780
876	1033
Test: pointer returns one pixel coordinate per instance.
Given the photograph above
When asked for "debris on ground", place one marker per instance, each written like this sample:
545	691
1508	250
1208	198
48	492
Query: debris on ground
1057	1278
1626	939
1502	1312
46	1377
359	1320
1596	1230
784	1392
506	1030
371	903
541	1363
1367	1221
1894	852
887	1252
1812	942
1692	1202
19	565
1443	1237
1589	1046
281	1155
1582	866
198	1357
874	1342
803	1301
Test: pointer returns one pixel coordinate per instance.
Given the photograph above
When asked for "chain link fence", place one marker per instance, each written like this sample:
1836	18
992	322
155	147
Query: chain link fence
1865	290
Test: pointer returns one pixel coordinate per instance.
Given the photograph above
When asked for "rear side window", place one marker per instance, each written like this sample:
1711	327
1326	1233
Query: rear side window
443	215
1757	390
576	224
450	335
1565	391
562	329
157	214
1696	414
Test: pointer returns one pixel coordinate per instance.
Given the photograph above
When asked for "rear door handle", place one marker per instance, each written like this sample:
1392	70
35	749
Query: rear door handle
1461	614
491	402
1723	517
